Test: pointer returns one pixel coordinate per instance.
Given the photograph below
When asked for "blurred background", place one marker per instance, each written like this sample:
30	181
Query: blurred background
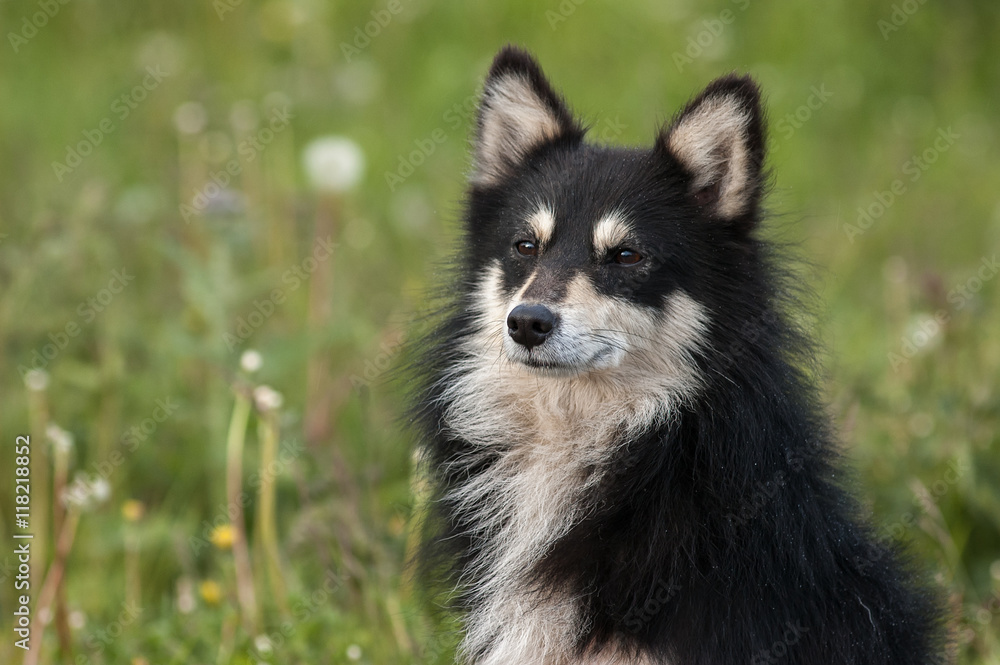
219	220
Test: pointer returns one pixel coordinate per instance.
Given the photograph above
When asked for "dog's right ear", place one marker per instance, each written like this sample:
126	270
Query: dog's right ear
519	112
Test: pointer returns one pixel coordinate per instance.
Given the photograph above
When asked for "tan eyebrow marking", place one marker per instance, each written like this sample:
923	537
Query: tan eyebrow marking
543	223
610	231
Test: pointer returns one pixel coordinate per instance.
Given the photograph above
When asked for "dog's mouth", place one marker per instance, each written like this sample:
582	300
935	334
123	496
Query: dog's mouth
548	365
544	361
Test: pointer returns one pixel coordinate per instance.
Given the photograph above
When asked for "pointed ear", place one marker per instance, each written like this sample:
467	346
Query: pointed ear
518	112
719	140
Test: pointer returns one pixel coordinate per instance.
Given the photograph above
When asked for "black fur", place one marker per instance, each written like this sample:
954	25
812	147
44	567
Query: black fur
726	535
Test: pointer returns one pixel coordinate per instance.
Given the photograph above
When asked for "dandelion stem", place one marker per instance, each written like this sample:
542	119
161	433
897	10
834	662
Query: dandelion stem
266	507
320	311
54	578
60	472
234	494
133	579
38	411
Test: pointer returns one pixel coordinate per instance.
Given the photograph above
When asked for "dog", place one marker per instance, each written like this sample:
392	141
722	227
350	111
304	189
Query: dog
628	455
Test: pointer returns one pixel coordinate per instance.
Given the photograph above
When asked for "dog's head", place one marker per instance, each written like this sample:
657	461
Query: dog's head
589	257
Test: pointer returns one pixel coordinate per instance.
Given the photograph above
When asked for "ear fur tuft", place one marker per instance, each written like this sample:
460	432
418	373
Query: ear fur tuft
519	112
719	140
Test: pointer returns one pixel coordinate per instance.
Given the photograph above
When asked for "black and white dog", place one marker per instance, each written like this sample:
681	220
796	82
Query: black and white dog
629	459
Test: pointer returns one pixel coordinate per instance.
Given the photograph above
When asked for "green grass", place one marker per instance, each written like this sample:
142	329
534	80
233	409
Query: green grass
344	496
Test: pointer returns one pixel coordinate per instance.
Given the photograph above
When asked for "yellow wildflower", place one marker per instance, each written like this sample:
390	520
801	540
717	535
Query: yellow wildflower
210	592
133	510
223	536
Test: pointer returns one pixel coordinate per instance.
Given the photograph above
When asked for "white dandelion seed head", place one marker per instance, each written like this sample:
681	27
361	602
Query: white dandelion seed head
191	118
267	399
77	619
263	643
333	164
251	361
101	490
36	380
62	441
77	494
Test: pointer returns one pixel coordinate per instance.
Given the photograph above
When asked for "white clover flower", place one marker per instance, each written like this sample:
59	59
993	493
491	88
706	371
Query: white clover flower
267	399
354	652
62	440
251	361
36	380
333	164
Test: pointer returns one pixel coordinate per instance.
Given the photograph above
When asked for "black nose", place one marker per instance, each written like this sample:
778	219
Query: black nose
529	325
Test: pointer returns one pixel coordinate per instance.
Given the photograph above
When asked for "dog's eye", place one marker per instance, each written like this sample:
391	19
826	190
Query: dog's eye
627	257
526	248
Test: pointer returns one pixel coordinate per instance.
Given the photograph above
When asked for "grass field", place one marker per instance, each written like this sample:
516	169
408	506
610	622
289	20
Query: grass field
159	217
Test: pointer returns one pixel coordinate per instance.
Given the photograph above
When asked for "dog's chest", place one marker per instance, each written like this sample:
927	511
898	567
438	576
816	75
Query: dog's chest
551	441
533	494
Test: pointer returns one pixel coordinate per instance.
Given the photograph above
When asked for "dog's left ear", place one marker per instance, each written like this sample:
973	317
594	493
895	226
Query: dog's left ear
519	112
719	140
